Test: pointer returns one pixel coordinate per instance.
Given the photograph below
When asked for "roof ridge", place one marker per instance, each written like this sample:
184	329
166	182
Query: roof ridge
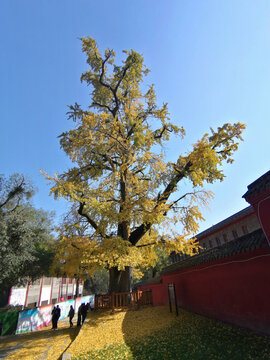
245	243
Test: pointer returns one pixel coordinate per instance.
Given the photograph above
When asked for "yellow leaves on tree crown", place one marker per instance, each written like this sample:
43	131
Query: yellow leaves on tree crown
120	181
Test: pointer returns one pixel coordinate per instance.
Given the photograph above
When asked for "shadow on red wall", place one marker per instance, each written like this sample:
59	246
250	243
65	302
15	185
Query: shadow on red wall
235	289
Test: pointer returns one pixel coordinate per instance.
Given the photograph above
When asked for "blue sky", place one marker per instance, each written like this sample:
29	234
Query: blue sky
209	60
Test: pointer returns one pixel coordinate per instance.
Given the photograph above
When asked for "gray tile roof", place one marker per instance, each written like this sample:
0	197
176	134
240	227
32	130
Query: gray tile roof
248	210
154	280
254	240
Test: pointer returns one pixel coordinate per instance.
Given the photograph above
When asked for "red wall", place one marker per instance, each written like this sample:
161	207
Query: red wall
235	289
263	213
261	203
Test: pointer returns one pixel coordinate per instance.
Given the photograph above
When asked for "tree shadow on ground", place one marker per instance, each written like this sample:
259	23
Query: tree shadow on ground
190	337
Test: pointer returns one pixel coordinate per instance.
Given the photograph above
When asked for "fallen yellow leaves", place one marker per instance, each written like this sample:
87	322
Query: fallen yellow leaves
149	333
43	344
104	328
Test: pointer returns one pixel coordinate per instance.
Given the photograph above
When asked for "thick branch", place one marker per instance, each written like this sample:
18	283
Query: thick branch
107	158
113	90
181	198
122	77
159	136
103	72
125	69
142	117
90	221
152	243
139	246
110	161
131	130
87	217
173	183
113	137
103	106
123	226
140	231
76	247
101	81
88	167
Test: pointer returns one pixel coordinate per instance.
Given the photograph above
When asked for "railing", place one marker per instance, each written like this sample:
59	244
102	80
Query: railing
123	300
103	301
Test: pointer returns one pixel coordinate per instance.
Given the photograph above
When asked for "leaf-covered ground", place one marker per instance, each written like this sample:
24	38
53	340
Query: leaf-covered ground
45	344
155	334
145	334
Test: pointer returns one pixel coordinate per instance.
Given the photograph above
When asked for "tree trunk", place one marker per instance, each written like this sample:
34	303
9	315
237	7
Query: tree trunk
77	288
120	280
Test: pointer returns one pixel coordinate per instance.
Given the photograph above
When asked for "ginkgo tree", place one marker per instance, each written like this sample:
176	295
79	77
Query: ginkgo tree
127	194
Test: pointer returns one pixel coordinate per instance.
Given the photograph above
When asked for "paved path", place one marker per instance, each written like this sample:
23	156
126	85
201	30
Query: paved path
43	344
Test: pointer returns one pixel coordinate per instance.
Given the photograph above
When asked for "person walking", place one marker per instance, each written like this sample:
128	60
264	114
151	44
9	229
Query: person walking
71	315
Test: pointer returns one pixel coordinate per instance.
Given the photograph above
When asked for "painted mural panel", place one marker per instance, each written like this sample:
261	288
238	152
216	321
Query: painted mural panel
35	319
65	306
85	299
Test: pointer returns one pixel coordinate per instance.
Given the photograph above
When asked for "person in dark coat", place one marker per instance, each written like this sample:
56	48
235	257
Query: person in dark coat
71	315
54	318
58	314
83	311
58	311
79	316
